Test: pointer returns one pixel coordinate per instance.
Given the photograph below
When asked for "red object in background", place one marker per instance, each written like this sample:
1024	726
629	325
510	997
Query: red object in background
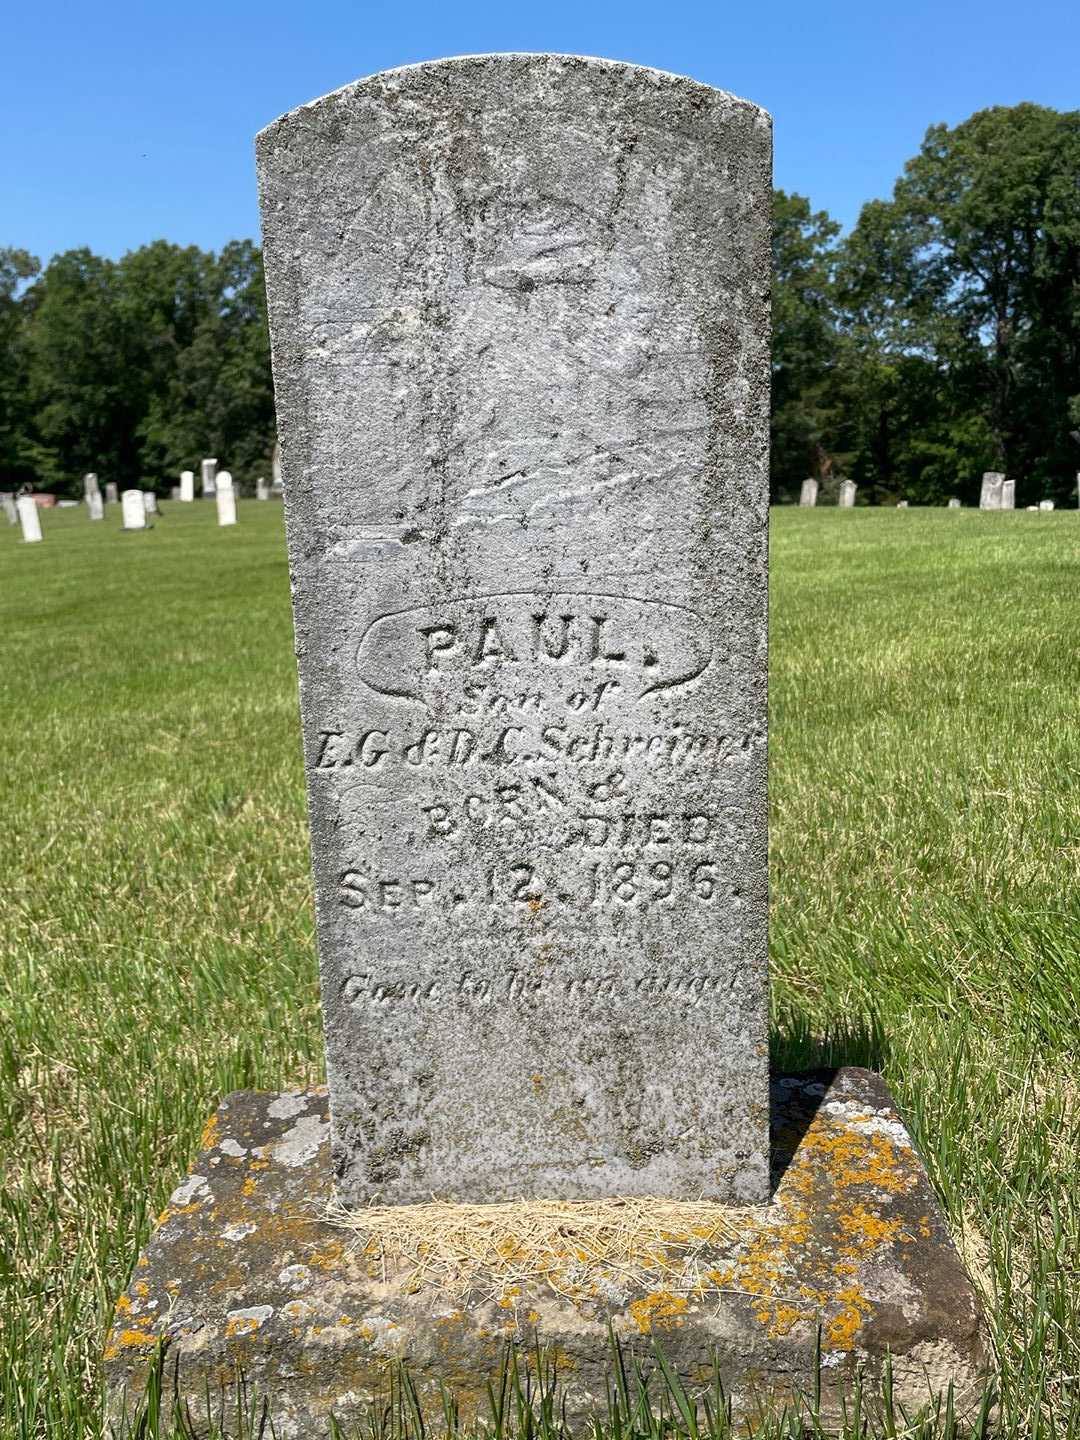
46	502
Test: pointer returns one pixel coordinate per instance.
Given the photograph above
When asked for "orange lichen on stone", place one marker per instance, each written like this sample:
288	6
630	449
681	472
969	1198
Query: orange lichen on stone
661	1309
240	1325
209	1137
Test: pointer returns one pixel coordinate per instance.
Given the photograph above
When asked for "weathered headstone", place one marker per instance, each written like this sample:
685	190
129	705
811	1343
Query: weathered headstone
150	502
29	518
133	510
226	499
174	492
112	493
95	506
262	489
7	505
848	489
208	470
808	493
954	503
1008	495
902	505
90	485
1046	504
990	495
532	676
518	307
187	486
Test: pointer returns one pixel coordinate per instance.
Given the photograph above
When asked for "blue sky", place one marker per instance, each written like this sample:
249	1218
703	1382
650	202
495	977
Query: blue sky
123	122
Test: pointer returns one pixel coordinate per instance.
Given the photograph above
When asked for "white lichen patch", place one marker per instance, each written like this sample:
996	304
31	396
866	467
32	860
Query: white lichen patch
288	1104
194	1188
241	1321
387	1337
301	1144
237	1232
230	1147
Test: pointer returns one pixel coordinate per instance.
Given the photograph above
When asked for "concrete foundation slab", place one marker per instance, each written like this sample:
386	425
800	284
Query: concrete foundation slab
247	1281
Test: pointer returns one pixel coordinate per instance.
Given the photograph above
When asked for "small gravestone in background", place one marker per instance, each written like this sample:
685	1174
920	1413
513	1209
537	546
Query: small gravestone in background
112	494
95	506
520	325
262	489
226	499
1046	504
954	503
1008	495
208	471
90	486
809	492
150	502
902	504
7	504
848	490
174	492
187	486
133	510
992	486
29	518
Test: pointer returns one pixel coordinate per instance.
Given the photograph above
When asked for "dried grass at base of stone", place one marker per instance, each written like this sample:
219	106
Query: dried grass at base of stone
572	1246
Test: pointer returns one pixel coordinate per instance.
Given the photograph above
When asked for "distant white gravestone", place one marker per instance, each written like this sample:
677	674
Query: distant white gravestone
90	485
112	494
95	506
208	470
990	495
262	489
1008	495
848	490
808	493
226	499
29	518
1046	504
7	504
187	486
954	503
133	510
150	504
524	413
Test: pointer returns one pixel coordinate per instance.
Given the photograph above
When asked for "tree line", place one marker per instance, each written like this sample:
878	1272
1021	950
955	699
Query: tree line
938	339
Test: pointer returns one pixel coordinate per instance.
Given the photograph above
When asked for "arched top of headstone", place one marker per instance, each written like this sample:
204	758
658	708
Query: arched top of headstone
524	77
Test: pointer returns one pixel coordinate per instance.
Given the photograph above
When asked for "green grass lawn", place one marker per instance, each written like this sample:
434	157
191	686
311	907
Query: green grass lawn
155	911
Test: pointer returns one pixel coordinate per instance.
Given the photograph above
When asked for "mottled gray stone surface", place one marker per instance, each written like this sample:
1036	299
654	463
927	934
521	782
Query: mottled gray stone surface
519	314
244	1277
808	493
848	490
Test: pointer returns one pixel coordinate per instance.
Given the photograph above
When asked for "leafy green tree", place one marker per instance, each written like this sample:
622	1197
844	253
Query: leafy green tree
16	267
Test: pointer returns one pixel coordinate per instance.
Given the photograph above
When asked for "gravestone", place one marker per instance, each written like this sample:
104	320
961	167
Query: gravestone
90	486
174	492
208	473
7	504
1046	504
902	505
532	680
226	499
990	495
112	494
133	510
150	502
262	489
848	490
809	492
29	518
95	506
518	309
954	503
187	486
1008	495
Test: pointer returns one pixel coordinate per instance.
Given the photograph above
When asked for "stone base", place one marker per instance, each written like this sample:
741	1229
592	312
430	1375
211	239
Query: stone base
247	1283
